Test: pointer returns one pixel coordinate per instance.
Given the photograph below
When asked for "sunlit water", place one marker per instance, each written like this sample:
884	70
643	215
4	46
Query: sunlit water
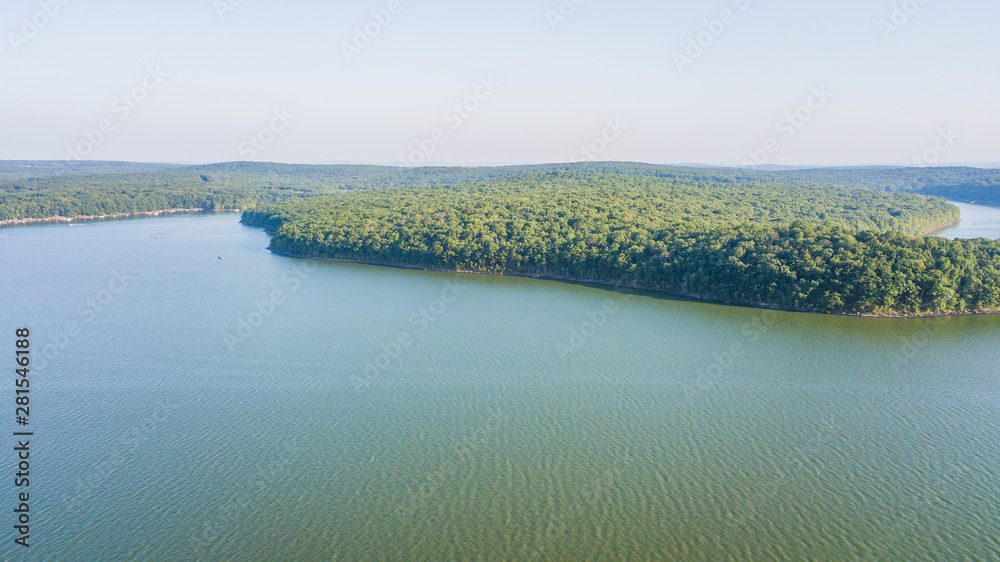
977	222
220	409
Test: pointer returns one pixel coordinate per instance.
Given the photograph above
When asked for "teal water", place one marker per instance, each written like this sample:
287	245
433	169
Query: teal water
264	408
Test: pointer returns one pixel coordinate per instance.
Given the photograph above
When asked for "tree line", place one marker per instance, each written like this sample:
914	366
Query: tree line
798	247
43	189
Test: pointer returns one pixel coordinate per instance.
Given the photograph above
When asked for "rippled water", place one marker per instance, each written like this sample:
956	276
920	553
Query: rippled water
499	419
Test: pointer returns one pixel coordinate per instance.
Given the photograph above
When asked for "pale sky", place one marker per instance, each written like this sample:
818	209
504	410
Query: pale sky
201	76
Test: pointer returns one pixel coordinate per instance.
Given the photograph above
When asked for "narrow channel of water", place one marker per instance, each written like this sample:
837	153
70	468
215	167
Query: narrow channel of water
978	221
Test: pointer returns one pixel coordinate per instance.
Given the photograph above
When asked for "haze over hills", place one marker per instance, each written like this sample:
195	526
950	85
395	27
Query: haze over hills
38	168
43	189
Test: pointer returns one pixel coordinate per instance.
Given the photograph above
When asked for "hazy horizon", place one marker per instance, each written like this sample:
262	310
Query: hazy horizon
768	167
447	83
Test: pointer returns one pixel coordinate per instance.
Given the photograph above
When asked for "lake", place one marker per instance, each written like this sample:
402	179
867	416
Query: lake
977	221
188	407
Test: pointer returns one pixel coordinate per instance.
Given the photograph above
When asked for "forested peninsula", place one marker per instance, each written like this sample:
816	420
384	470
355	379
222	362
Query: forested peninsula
837	240
800	248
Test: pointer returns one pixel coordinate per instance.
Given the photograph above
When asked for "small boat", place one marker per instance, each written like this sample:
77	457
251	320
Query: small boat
221	258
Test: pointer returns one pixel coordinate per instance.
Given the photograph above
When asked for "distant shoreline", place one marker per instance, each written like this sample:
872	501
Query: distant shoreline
85	218
714	300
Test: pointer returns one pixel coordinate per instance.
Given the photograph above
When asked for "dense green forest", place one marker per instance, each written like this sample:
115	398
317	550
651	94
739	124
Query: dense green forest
802	248
45	189
654	201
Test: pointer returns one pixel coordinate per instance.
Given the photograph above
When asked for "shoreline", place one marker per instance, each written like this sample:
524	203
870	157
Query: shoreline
939	230
692	297
85	218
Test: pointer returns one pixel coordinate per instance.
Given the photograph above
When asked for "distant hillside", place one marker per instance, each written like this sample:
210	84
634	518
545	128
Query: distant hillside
19	169
44	189
971	185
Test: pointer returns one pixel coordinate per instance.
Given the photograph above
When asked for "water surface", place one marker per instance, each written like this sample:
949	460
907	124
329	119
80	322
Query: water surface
977	221
262	407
